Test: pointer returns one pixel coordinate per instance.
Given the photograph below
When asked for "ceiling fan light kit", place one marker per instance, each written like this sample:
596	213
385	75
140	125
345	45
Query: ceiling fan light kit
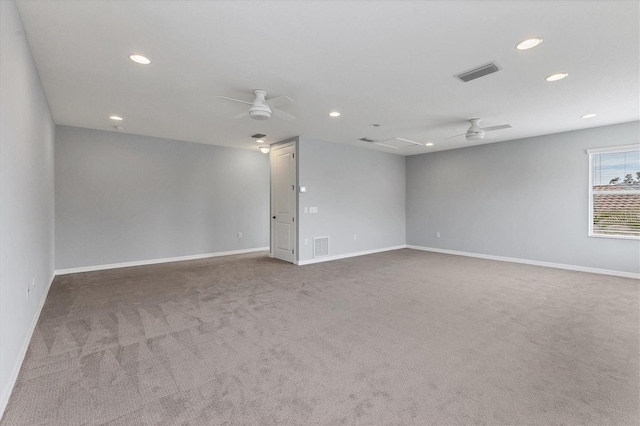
476	136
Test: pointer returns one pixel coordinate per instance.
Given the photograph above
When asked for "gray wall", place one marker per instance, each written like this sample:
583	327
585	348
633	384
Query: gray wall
524	199
26	194
357	191
123	198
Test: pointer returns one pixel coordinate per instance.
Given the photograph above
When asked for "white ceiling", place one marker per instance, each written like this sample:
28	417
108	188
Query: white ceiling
385	62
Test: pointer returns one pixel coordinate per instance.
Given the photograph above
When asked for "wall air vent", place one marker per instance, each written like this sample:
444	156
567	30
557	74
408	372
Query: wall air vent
478	72
365	139
320	247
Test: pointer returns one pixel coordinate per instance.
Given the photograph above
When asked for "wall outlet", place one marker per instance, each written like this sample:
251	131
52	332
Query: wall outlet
306	241
437	235
239	234
306	209
355	236
33	282
313	210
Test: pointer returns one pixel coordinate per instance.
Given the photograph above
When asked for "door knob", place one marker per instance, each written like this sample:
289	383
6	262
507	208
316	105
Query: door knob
274	217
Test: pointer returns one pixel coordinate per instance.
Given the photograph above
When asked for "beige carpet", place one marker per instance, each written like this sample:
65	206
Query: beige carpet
401	338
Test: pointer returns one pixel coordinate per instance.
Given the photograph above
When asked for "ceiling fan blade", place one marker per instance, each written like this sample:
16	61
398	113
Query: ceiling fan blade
242	114
499	127
281	114
451	137
279	101
235	100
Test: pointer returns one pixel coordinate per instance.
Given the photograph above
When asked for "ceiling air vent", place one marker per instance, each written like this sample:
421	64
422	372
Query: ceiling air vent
258	136
397	143
478	72
365	139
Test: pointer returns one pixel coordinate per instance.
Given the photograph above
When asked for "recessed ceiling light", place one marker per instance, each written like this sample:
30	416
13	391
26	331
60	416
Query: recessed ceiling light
589	115
374	125
265	149
557	76
429	144
140	59
260	141
115	117
334	114
528	43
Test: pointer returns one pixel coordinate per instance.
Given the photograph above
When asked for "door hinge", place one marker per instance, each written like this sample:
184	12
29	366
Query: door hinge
294	155
293	187
293	219
293	251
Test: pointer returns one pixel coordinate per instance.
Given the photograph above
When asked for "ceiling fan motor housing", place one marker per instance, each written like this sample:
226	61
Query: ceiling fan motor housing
475	132
260	109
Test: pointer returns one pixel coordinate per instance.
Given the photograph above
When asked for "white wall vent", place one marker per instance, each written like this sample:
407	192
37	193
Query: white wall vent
320	247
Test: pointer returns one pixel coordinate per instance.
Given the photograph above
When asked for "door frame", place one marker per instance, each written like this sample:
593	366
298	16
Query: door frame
275	147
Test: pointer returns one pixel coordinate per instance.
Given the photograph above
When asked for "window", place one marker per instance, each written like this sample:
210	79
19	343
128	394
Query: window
614	192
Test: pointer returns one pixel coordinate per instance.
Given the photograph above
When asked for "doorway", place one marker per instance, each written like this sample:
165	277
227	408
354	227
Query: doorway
283	201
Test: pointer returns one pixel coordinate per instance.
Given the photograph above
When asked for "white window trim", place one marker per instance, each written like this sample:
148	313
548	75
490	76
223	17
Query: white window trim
623	148
590	152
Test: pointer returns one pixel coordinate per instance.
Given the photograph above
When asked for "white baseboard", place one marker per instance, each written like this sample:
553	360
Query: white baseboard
531	262
6	392
155	261
344	256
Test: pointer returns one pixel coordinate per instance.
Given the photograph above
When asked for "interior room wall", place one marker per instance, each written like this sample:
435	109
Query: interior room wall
123	198
525	199
26	197
357	192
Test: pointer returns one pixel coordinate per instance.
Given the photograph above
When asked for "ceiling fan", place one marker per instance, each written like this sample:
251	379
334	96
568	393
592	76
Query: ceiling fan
262	108
476	133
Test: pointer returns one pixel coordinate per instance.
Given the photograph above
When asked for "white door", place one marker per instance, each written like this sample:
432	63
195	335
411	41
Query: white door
283	202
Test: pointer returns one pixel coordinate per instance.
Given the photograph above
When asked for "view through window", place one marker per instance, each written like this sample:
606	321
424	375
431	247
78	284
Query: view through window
614	194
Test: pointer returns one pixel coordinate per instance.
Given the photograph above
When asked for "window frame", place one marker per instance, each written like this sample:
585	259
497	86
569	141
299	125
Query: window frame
591	152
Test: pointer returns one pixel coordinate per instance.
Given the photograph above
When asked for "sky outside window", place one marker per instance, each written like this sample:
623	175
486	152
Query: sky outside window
608	166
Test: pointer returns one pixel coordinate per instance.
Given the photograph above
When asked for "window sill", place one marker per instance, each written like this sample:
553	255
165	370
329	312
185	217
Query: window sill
617	237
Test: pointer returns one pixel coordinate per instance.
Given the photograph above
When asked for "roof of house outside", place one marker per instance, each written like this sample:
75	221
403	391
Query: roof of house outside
618	187
603	202
616	210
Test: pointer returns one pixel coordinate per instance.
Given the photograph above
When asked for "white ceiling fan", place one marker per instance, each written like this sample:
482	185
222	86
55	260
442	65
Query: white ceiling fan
262	108
476	133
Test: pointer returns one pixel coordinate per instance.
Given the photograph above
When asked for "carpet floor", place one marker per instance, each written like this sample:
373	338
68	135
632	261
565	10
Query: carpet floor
400	338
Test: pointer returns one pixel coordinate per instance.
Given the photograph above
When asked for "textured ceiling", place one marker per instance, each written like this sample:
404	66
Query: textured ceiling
390	63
